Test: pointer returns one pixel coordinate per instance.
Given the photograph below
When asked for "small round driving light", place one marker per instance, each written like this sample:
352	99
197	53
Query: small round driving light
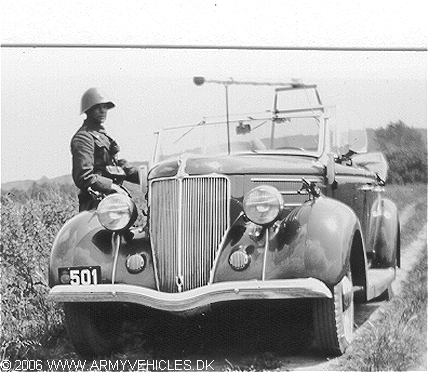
135	263
263	204
239	260
117	212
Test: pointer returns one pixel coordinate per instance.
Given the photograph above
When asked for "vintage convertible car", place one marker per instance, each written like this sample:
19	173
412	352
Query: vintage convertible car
283	206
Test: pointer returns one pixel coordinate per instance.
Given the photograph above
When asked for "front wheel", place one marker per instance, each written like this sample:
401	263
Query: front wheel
93	327
334	318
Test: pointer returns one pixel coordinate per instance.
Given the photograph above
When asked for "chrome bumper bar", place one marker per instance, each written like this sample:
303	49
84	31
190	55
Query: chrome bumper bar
188	300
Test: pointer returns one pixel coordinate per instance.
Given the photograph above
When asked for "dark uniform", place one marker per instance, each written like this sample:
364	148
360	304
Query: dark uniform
93	150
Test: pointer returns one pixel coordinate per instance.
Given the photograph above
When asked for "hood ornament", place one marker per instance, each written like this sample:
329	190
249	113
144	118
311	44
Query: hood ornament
182	162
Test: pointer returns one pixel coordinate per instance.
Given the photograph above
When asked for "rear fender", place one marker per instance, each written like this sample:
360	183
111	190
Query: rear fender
384	234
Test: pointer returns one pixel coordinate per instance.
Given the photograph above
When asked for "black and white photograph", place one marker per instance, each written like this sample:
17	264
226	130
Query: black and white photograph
231	186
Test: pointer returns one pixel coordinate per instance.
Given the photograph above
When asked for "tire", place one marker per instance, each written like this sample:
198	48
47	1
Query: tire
334	319
93	328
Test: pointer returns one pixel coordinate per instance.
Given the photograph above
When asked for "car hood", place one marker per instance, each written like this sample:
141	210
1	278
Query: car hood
238	164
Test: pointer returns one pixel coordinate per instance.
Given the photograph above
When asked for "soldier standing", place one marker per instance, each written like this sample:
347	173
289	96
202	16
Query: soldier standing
95	153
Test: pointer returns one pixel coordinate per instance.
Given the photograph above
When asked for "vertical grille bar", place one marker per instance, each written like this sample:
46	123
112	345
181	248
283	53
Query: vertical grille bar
204	219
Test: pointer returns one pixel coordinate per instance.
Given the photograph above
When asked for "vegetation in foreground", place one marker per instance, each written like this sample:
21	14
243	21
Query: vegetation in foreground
397	339
32	328
29	224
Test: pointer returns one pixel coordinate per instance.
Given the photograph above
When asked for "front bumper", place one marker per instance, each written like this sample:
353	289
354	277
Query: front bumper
195	298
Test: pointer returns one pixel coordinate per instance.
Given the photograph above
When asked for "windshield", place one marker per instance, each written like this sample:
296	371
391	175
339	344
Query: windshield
296	135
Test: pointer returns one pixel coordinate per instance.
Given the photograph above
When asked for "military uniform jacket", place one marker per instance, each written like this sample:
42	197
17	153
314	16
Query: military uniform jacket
92	150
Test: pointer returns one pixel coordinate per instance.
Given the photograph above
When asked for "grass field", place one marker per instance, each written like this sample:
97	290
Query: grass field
397	339
32	328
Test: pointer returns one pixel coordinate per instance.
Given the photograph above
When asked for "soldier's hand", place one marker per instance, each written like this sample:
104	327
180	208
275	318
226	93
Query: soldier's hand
117	189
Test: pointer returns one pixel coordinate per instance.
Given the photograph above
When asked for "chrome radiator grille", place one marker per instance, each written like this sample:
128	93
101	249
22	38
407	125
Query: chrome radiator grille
188	217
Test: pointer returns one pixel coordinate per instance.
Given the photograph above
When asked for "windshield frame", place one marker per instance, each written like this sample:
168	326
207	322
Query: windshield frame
317	113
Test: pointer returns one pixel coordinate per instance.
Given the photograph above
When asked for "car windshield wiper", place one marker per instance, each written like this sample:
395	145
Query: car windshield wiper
185	134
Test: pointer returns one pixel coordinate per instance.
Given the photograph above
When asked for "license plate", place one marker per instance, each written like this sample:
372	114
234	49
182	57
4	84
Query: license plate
80	275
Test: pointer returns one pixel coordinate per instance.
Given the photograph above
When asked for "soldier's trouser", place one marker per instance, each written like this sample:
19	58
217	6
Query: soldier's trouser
86	201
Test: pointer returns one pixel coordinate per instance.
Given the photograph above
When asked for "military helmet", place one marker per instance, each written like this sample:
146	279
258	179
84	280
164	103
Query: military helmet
93	97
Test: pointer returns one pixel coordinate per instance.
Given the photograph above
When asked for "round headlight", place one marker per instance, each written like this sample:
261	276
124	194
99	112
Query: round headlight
263	204
116	212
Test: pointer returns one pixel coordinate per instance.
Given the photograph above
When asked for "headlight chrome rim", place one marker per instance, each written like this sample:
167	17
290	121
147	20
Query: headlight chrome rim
263	204
117	212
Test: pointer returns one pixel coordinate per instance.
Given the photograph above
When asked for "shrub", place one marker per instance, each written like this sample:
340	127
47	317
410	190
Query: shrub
405	152
29	226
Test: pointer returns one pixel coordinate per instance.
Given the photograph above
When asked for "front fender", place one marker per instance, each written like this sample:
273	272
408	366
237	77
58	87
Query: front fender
314	240
82	241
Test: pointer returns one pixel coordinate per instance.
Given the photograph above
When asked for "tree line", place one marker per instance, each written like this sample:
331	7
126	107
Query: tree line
405	151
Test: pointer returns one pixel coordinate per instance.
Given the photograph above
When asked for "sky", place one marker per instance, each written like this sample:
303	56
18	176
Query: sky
368	59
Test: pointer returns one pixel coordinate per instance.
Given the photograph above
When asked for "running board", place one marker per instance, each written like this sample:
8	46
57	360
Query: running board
378	281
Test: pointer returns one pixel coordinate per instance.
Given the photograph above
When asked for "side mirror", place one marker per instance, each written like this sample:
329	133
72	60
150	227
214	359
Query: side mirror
242	128
142	174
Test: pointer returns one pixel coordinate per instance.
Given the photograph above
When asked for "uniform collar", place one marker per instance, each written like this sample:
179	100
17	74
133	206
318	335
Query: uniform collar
91	125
